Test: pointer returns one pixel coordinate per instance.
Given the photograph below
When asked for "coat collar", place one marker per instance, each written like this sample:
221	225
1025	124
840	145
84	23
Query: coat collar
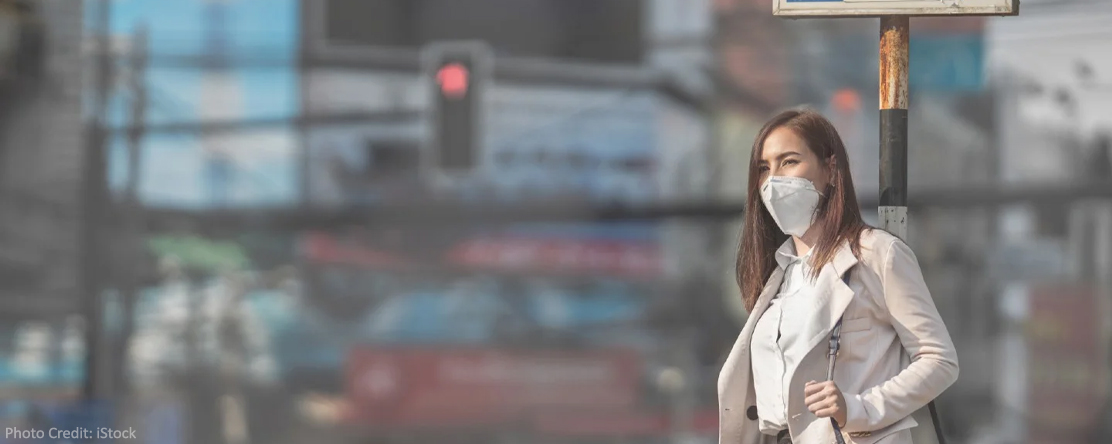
832	296
842	261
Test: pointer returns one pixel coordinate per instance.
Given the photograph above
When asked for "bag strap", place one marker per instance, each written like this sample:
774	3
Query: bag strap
835	345
832	354
937	423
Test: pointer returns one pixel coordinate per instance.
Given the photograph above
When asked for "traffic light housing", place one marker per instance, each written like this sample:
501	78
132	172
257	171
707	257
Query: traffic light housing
458	75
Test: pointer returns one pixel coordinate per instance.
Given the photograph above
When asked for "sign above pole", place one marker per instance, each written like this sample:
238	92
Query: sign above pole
876	8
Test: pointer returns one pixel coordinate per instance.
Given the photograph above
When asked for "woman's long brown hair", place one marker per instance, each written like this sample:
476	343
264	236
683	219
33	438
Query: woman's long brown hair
838	212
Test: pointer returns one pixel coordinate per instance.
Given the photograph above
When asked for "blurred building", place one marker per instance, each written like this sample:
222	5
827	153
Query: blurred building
41	145
574	111
41	141
1051	74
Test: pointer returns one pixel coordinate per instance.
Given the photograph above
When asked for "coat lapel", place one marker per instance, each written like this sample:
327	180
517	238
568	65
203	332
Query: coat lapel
735	386
833	297
739	355
734	382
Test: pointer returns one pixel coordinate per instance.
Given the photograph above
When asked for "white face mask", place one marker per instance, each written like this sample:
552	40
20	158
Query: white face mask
792	202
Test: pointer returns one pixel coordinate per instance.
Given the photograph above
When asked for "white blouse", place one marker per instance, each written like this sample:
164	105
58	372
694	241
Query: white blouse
777	345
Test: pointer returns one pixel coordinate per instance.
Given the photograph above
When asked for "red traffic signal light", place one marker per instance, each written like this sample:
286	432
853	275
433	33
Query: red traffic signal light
453	79
458	73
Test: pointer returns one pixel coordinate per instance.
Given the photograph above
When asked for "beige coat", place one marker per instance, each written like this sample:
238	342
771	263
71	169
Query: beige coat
896	354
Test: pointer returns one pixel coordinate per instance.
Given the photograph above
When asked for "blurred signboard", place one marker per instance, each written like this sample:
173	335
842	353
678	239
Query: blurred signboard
198	253
939	61
615	258
494	254
1035	259
607	31
1065	363
873	8
538	143
953	63
452	387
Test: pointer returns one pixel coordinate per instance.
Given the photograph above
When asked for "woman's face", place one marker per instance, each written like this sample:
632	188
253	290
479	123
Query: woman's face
786	154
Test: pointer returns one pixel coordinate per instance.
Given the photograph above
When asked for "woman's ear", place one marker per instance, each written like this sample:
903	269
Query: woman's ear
831	171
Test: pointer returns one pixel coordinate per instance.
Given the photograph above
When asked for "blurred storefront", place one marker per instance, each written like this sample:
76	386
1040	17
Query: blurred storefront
1066	365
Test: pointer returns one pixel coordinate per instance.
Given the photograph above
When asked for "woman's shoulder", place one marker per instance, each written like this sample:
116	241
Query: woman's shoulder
876	244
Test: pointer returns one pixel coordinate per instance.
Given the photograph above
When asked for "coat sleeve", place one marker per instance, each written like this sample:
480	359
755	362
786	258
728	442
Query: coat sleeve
934	361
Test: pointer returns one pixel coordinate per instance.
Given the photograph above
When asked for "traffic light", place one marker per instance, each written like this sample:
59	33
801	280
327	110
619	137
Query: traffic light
458	74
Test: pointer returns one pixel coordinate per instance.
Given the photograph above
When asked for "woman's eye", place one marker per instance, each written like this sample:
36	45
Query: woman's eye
790	162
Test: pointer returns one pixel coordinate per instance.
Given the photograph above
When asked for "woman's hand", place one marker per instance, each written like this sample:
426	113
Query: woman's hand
825	400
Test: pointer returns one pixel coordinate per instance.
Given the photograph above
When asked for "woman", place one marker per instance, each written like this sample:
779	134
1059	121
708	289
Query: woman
807	260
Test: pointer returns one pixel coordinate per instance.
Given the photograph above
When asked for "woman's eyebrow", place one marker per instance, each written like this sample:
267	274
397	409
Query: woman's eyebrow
781	156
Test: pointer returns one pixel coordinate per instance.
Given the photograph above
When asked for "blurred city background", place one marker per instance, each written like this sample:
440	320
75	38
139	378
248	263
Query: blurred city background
217	227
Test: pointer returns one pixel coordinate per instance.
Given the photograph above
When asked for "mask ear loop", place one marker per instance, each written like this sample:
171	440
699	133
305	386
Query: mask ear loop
824	199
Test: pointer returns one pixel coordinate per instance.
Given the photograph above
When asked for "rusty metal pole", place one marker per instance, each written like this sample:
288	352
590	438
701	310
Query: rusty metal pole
894	45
